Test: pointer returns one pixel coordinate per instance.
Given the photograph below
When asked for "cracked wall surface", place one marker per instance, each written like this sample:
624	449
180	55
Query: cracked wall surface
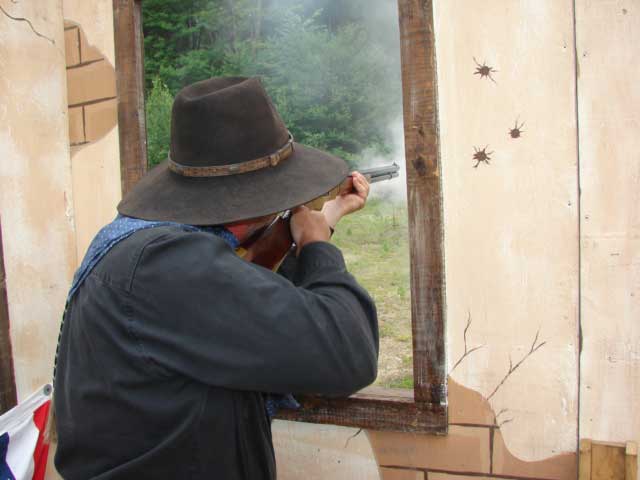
36	199
511	226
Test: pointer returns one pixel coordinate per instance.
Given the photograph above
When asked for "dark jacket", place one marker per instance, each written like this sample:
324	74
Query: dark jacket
170	340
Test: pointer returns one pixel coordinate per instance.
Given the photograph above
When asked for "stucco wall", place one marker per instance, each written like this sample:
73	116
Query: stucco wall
56	189
36	199
511	223
608	35
95	148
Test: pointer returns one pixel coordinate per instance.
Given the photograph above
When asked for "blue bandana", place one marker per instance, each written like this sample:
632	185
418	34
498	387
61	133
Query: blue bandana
123	227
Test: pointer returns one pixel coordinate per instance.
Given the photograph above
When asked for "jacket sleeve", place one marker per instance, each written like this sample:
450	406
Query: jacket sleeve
199	310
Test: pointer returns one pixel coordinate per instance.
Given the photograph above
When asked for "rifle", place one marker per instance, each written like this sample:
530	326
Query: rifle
270	246
378	174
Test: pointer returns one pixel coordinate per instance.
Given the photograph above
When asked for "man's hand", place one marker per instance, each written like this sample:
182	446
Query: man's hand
349	202
308	226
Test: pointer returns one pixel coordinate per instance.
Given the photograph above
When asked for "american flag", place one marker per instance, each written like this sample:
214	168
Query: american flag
23	450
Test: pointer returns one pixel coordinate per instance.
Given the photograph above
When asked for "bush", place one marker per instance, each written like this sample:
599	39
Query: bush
158	109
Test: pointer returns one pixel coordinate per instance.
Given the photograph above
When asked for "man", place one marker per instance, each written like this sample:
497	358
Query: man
173	348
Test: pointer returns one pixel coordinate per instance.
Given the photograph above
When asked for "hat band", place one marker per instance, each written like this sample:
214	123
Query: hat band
234	168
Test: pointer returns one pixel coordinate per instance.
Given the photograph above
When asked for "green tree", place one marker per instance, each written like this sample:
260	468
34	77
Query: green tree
188	41
335	85
335	90
158	107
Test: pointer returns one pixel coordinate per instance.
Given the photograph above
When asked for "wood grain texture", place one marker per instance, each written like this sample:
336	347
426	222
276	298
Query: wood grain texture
607	461
383	411
424	193
631	461
8	396
127	19
584	462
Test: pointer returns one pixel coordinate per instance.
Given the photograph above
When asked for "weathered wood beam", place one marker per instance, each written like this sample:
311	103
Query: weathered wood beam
8	395
129	53
424	194
387	409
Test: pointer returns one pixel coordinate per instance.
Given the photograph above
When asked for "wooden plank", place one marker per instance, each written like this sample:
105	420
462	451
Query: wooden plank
394	413
631	461
607	461
127	19
608	47
584	466
8	395
424	193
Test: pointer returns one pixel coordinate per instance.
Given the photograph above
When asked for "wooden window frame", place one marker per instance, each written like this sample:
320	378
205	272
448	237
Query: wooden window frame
424	409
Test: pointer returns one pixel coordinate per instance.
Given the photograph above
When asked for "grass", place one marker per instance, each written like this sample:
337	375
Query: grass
374	242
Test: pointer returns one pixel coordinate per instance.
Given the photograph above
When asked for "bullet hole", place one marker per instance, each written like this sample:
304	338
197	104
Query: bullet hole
516	131
624	11
484	70
481	156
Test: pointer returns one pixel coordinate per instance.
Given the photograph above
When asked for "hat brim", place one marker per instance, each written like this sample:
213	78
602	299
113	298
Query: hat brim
166	196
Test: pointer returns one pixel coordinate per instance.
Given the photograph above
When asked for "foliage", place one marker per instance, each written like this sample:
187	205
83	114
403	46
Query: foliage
329	87
335	86
159	102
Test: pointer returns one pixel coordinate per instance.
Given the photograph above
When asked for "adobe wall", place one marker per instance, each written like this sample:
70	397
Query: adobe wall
608	35
93	131
36	194
59	173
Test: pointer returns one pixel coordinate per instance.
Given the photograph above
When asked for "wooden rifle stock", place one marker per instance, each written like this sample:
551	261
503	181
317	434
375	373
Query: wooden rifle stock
269	247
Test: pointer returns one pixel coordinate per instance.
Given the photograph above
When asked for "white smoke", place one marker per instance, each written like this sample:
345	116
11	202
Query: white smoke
381	17
395	189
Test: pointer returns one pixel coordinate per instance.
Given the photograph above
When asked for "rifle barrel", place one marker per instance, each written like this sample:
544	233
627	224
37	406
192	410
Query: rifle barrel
377	174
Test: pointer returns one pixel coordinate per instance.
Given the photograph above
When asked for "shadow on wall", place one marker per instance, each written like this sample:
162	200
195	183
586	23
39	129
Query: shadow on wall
91	87
473	447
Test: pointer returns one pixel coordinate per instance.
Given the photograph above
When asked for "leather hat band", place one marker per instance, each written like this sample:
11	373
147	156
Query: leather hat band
234	168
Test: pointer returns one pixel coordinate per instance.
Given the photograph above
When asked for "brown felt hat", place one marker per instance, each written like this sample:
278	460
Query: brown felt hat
231	159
